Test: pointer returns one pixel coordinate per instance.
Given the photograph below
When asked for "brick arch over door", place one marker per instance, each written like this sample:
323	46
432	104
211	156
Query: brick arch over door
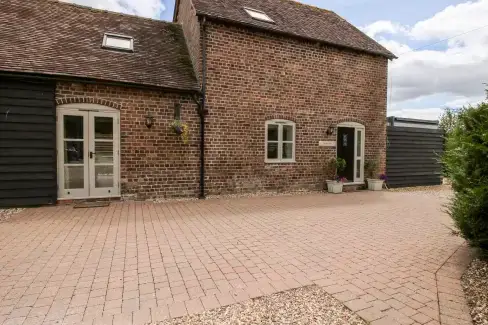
88	100
349	119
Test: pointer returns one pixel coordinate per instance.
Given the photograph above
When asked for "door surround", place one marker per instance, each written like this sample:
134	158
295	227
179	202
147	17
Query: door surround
89	112
359	154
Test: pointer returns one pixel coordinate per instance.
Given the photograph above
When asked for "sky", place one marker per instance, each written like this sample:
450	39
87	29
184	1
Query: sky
431	72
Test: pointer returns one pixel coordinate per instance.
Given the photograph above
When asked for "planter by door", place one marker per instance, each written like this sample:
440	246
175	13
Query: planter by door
88	151
375	184
334	187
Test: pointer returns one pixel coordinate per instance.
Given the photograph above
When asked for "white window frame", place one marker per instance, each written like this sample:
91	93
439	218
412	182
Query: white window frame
252	13
357	128
107	35
280	141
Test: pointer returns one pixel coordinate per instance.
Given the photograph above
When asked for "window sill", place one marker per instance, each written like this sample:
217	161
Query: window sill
276	162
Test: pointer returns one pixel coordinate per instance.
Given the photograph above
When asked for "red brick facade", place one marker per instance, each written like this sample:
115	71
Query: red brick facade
255	76
154	163
252	77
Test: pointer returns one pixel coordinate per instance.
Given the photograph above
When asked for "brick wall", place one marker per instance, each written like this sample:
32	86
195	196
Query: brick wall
191	28
255	76
154	162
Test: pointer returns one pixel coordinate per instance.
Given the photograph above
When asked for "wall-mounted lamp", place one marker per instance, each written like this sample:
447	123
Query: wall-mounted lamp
330	130
149	120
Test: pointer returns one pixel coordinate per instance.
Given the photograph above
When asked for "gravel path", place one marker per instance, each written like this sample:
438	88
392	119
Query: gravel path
305	306
475	285
5	214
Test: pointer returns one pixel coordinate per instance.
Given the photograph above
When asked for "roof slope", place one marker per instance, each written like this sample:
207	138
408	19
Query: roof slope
296	19
55	38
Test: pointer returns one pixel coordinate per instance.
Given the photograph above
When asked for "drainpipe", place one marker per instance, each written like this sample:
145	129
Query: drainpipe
203	110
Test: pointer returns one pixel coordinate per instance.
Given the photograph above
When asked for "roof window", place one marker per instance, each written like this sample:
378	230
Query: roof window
258	15
118	42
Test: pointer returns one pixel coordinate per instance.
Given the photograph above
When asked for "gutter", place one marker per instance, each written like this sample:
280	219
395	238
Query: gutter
87	80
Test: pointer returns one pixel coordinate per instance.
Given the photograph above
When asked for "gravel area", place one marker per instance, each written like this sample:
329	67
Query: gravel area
475	285
306	306
434	188
6	214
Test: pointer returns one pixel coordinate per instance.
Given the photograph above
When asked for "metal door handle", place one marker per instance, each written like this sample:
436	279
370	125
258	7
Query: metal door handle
91	154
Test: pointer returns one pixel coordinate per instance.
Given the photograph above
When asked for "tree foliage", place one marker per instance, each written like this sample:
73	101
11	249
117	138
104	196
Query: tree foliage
466	162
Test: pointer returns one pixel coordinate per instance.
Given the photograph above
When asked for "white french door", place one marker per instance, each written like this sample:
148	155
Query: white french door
88	153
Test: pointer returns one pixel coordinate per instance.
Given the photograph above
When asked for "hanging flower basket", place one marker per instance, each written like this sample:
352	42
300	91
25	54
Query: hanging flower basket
182	130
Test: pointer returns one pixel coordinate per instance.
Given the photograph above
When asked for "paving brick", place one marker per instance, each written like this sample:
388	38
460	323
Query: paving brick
362	274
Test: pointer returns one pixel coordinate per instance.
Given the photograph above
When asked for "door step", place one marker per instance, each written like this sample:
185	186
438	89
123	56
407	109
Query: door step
93	204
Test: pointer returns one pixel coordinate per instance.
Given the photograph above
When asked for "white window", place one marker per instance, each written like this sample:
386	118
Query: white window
258	15
118	42
280	141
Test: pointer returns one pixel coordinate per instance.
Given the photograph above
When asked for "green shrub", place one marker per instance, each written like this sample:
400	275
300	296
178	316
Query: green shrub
335	166
466	162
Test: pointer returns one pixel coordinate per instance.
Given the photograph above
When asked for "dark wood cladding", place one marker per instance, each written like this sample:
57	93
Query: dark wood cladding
27	143
412	156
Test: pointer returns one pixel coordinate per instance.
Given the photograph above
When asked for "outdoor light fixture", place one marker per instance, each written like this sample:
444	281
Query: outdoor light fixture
149	120
330	130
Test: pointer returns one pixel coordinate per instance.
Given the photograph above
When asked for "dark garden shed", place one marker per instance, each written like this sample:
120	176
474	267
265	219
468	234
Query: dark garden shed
413	151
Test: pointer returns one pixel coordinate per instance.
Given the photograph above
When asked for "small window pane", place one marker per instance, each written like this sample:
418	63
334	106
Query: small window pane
73	127
73	152
273	132
272	150
287	150
287	133
358	168
104	128
104	176
74	177
359	144
104	152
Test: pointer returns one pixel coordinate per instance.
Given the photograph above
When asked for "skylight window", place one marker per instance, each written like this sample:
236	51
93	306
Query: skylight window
118	42
258	15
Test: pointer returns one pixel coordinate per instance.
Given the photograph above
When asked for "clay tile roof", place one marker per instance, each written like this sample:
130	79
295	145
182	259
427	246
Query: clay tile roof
295	19
54	38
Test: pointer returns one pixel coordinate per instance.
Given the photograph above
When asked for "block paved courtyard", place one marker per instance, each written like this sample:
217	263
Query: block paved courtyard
389	256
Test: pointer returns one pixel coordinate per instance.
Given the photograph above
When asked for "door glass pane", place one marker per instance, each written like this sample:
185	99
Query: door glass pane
74	177
73	127
273	132
358	168
272	150
104	152
359	143
73	152
287	133
287	150
104	127
104	176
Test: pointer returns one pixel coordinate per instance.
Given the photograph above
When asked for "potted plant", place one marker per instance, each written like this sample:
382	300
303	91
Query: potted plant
182	130
371	169
336	166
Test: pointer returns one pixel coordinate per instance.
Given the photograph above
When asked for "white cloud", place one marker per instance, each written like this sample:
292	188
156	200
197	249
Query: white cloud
383	26
455	72
144	8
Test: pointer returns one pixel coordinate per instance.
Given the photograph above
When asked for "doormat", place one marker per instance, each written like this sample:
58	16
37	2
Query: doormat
95	204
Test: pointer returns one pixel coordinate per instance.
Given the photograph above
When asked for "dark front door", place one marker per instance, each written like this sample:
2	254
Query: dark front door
345	150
